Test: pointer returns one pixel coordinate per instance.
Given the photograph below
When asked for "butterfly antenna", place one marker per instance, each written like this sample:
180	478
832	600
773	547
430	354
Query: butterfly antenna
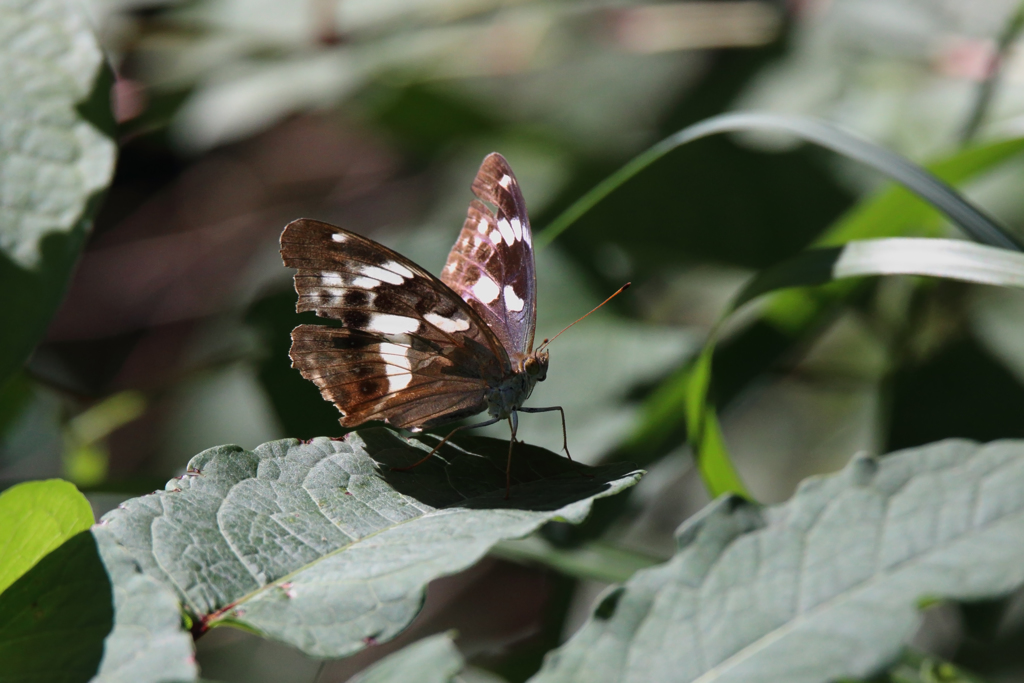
620	290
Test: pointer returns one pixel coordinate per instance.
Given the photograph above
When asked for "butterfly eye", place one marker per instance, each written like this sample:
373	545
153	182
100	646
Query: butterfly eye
537	366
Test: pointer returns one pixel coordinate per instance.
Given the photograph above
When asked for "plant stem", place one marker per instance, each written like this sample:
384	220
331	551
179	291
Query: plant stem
986	89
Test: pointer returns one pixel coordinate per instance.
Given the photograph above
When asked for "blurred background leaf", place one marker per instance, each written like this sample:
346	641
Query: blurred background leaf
236	116
56	158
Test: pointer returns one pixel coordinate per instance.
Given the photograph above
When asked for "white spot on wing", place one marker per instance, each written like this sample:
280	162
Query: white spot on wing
496	237
517	228
399	268
382	275
506	232
486	289
392	324
527	236
331	279
398	368
338	237
512	301
400	353
365	283
505	181
447	324
398	380
482	226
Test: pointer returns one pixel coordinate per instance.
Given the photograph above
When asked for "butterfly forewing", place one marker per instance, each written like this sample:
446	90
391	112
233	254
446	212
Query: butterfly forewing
411	351
491	265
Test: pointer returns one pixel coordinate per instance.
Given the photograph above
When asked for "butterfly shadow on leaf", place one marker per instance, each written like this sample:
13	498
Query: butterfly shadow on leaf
469	472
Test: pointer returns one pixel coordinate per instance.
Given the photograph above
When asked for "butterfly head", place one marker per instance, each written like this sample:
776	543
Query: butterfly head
536	365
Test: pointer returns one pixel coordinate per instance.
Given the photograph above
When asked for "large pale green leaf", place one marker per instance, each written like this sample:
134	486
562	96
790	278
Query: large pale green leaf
431	660
148	643
324	546
54	618
823	587
54	160
35	518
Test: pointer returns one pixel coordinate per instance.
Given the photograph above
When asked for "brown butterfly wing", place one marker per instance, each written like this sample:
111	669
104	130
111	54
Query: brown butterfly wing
411	352
491	265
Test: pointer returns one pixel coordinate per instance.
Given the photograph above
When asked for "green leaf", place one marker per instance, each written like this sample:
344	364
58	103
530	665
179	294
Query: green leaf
823	587
35	518
431	660
148	643
950	259
324	546
54	618
54	160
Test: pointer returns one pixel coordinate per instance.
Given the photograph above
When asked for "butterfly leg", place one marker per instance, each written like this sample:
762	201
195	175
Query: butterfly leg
513	423
565	438
443	442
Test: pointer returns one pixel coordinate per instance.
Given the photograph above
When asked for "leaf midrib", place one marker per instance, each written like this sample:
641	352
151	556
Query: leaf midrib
434	512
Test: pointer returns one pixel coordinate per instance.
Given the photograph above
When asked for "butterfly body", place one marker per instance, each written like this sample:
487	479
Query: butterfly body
416	351
511	393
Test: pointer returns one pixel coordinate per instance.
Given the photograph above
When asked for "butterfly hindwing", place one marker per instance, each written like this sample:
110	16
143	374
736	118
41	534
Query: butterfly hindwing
491	265
373	377
411	351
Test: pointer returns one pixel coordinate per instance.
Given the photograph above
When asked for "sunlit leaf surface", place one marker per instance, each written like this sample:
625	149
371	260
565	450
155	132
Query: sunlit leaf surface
324	546
35	518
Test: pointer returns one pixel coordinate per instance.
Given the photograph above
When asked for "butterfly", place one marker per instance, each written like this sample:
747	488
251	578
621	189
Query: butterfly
416	351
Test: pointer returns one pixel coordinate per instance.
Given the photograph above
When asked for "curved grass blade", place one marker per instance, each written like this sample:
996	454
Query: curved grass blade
943	258
972	220
894	212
